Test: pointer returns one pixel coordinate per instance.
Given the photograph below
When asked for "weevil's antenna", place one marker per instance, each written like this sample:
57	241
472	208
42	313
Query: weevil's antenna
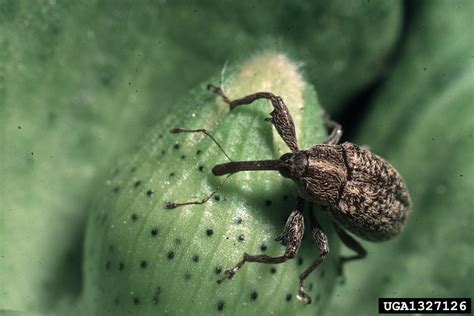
171	205
201	130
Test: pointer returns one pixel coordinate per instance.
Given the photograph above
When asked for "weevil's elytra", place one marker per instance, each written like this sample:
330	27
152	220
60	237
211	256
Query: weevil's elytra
360	191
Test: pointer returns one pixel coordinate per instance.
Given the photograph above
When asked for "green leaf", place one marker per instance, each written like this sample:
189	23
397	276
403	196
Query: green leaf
143	258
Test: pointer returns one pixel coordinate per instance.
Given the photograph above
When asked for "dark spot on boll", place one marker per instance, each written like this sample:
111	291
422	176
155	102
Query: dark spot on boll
171	174
196	258
116	300
201	168
111	248
160	136
300	261
134	217
187	276
176	146
217	197
171	255
116	189
285	197
220	306
137	184
107	265
273	270
322	273
268	203
177	241
198	152
209	232
288	297
149	193
154	232
136	300
253	295
143	264
163	152
19	127
263	247
183	157
238	221
218	270
310	286
241	237
133	169
121	266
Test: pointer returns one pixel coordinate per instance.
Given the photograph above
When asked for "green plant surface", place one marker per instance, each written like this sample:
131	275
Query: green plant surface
423	122
143	258
80	82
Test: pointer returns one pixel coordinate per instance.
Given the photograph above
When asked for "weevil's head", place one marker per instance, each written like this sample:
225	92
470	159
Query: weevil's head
293	165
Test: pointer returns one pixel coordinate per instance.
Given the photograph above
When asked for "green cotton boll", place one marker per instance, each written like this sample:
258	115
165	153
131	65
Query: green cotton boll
143	258
422	122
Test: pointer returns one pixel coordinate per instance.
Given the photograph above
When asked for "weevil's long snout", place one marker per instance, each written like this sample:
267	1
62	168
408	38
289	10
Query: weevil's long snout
293	165
236	166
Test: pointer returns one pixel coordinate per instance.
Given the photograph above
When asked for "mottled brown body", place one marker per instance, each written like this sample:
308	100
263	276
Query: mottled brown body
362	191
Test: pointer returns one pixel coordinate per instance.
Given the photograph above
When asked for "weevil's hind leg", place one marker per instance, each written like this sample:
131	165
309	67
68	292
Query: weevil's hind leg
336	130
291	238
280	116
321	241
352	244
171	205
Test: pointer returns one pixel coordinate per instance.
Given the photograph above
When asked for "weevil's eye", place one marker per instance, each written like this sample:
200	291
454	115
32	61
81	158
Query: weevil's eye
294	165
286	157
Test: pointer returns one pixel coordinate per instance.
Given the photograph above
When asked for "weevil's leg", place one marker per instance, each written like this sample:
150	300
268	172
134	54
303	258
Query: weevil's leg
291	238
280	116
171	205
336	130
177	130
351	243
322	242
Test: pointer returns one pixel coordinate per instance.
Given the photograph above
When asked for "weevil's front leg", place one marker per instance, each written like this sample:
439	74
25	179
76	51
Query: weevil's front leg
352	244
281	117
291	238
322	242
336	130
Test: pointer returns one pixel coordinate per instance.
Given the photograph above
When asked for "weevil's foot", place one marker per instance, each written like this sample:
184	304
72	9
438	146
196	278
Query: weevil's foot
229	274
213	88
176	130
170	205
219	92
303	296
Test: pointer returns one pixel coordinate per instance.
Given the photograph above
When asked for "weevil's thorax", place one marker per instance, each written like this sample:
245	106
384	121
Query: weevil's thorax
325	175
